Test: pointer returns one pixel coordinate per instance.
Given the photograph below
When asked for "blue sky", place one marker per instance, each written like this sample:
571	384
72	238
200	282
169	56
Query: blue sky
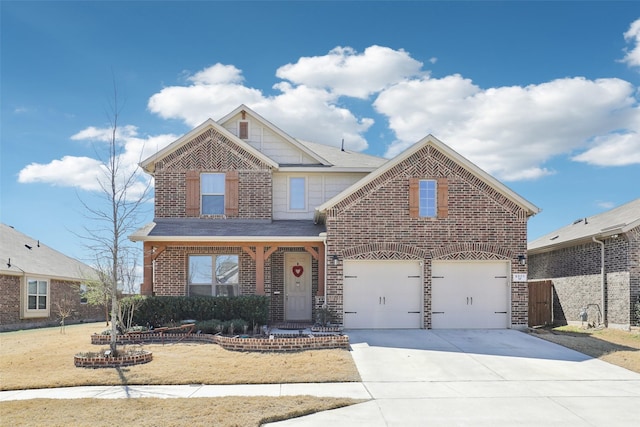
543	95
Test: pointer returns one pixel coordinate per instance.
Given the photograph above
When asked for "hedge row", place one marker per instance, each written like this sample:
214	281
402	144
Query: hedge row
165	310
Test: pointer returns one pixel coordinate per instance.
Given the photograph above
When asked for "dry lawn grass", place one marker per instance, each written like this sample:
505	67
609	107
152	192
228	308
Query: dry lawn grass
615	346
43	358
194	412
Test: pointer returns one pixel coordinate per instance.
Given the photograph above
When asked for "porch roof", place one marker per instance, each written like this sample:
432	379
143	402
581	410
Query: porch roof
229	230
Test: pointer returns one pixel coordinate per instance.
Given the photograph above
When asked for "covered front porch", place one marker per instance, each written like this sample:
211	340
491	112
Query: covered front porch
284	260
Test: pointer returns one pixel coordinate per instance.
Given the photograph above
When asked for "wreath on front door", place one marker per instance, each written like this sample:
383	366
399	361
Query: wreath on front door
297	270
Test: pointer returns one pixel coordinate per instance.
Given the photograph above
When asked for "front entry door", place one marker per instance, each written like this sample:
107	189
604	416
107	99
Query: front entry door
297	278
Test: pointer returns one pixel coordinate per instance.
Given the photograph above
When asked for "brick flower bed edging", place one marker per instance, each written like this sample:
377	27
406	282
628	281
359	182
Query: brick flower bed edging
238	343
99	361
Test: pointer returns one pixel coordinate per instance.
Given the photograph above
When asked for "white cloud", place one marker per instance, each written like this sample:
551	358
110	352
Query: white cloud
632	36
345	72
613	150
509	131
69	171
87	173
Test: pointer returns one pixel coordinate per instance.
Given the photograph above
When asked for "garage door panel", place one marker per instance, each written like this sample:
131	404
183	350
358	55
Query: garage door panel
382	294
470	294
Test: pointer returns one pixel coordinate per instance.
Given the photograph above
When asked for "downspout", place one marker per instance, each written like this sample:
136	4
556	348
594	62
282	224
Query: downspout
602	281
324	297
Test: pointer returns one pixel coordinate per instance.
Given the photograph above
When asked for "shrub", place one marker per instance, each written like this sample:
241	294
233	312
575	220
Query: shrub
212	326
638	312
163	310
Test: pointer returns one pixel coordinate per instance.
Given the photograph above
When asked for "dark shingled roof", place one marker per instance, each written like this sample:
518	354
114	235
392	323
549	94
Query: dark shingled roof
197	227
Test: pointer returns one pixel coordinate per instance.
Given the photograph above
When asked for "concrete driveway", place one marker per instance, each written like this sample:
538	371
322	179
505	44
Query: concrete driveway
478	378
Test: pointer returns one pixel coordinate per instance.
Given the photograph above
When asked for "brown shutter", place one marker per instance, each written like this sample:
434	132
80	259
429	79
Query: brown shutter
231	194
244	130
414	197
443	197
193	194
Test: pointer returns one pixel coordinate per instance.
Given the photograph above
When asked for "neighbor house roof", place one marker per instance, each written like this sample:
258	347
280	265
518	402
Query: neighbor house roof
530	208
232	230
615	221
24	255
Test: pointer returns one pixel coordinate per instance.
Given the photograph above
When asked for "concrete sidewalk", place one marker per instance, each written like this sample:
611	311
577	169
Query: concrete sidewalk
353	390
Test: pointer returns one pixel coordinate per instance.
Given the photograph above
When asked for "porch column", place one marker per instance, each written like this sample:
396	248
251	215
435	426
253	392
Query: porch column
321	269
147	283
259	270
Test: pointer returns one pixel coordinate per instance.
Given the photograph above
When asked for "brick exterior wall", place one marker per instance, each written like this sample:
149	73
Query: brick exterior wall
212	152
10	305
374	223
575	274
173	263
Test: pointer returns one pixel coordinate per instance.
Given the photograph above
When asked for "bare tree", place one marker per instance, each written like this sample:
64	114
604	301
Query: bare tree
122	194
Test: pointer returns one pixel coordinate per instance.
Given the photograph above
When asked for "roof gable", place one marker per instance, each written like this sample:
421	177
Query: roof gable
149	163
248	114
430	140
606	224
21	254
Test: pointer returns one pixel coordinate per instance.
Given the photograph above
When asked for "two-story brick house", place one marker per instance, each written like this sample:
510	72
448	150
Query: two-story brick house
426	239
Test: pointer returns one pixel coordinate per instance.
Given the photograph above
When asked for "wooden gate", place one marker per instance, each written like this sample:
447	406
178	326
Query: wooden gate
540	303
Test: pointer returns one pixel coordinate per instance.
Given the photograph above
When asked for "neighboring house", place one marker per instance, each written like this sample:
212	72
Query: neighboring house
593	263
425	240
35	280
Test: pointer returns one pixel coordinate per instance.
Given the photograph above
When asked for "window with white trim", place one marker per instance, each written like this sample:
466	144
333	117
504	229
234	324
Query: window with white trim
36	298
212	186
427	198
297	193
213	275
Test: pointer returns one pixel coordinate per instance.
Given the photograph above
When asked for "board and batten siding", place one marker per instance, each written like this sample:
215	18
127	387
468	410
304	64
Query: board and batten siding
269	143
320	188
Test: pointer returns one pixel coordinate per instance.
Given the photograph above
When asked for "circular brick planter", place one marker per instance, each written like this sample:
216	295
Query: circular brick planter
99	360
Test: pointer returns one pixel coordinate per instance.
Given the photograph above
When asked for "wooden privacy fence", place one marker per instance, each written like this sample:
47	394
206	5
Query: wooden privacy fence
540	303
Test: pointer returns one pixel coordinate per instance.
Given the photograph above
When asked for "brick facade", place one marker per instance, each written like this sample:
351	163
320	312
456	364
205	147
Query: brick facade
10	318
374	223
212	152
575	274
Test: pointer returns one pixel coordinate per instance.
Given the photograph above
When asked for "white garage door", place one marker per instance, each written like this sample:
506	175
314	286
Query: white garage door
382	294
470	294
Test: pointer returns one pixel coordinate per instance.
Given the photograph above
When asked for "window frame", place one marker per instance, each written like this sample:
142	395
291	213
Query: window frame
215	285
204	194
291	196
428	210
37	312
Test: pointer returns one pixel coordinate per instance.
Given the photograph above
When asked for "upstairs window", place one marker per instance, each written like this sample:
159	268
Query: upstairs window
297	193
243	130
212	186
427	198
213	275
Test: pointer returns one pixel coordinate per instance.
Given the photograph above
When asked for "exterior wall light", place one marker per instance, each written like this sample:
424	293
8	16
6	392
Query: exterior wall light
522	259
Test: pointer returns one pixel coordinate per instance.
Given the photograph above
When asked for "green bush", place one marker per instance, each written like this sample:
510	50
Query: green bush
213	326
638	312
165	310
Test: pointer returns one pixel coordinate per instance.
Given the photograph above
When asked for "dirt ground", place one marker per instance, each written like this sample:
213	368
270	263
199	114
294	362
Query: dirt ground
614	346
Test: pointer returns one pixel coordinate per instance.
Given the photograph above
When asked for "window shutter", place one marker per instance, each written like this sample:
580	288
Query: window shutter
443	197
243	131
231	194
414	197
193	194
